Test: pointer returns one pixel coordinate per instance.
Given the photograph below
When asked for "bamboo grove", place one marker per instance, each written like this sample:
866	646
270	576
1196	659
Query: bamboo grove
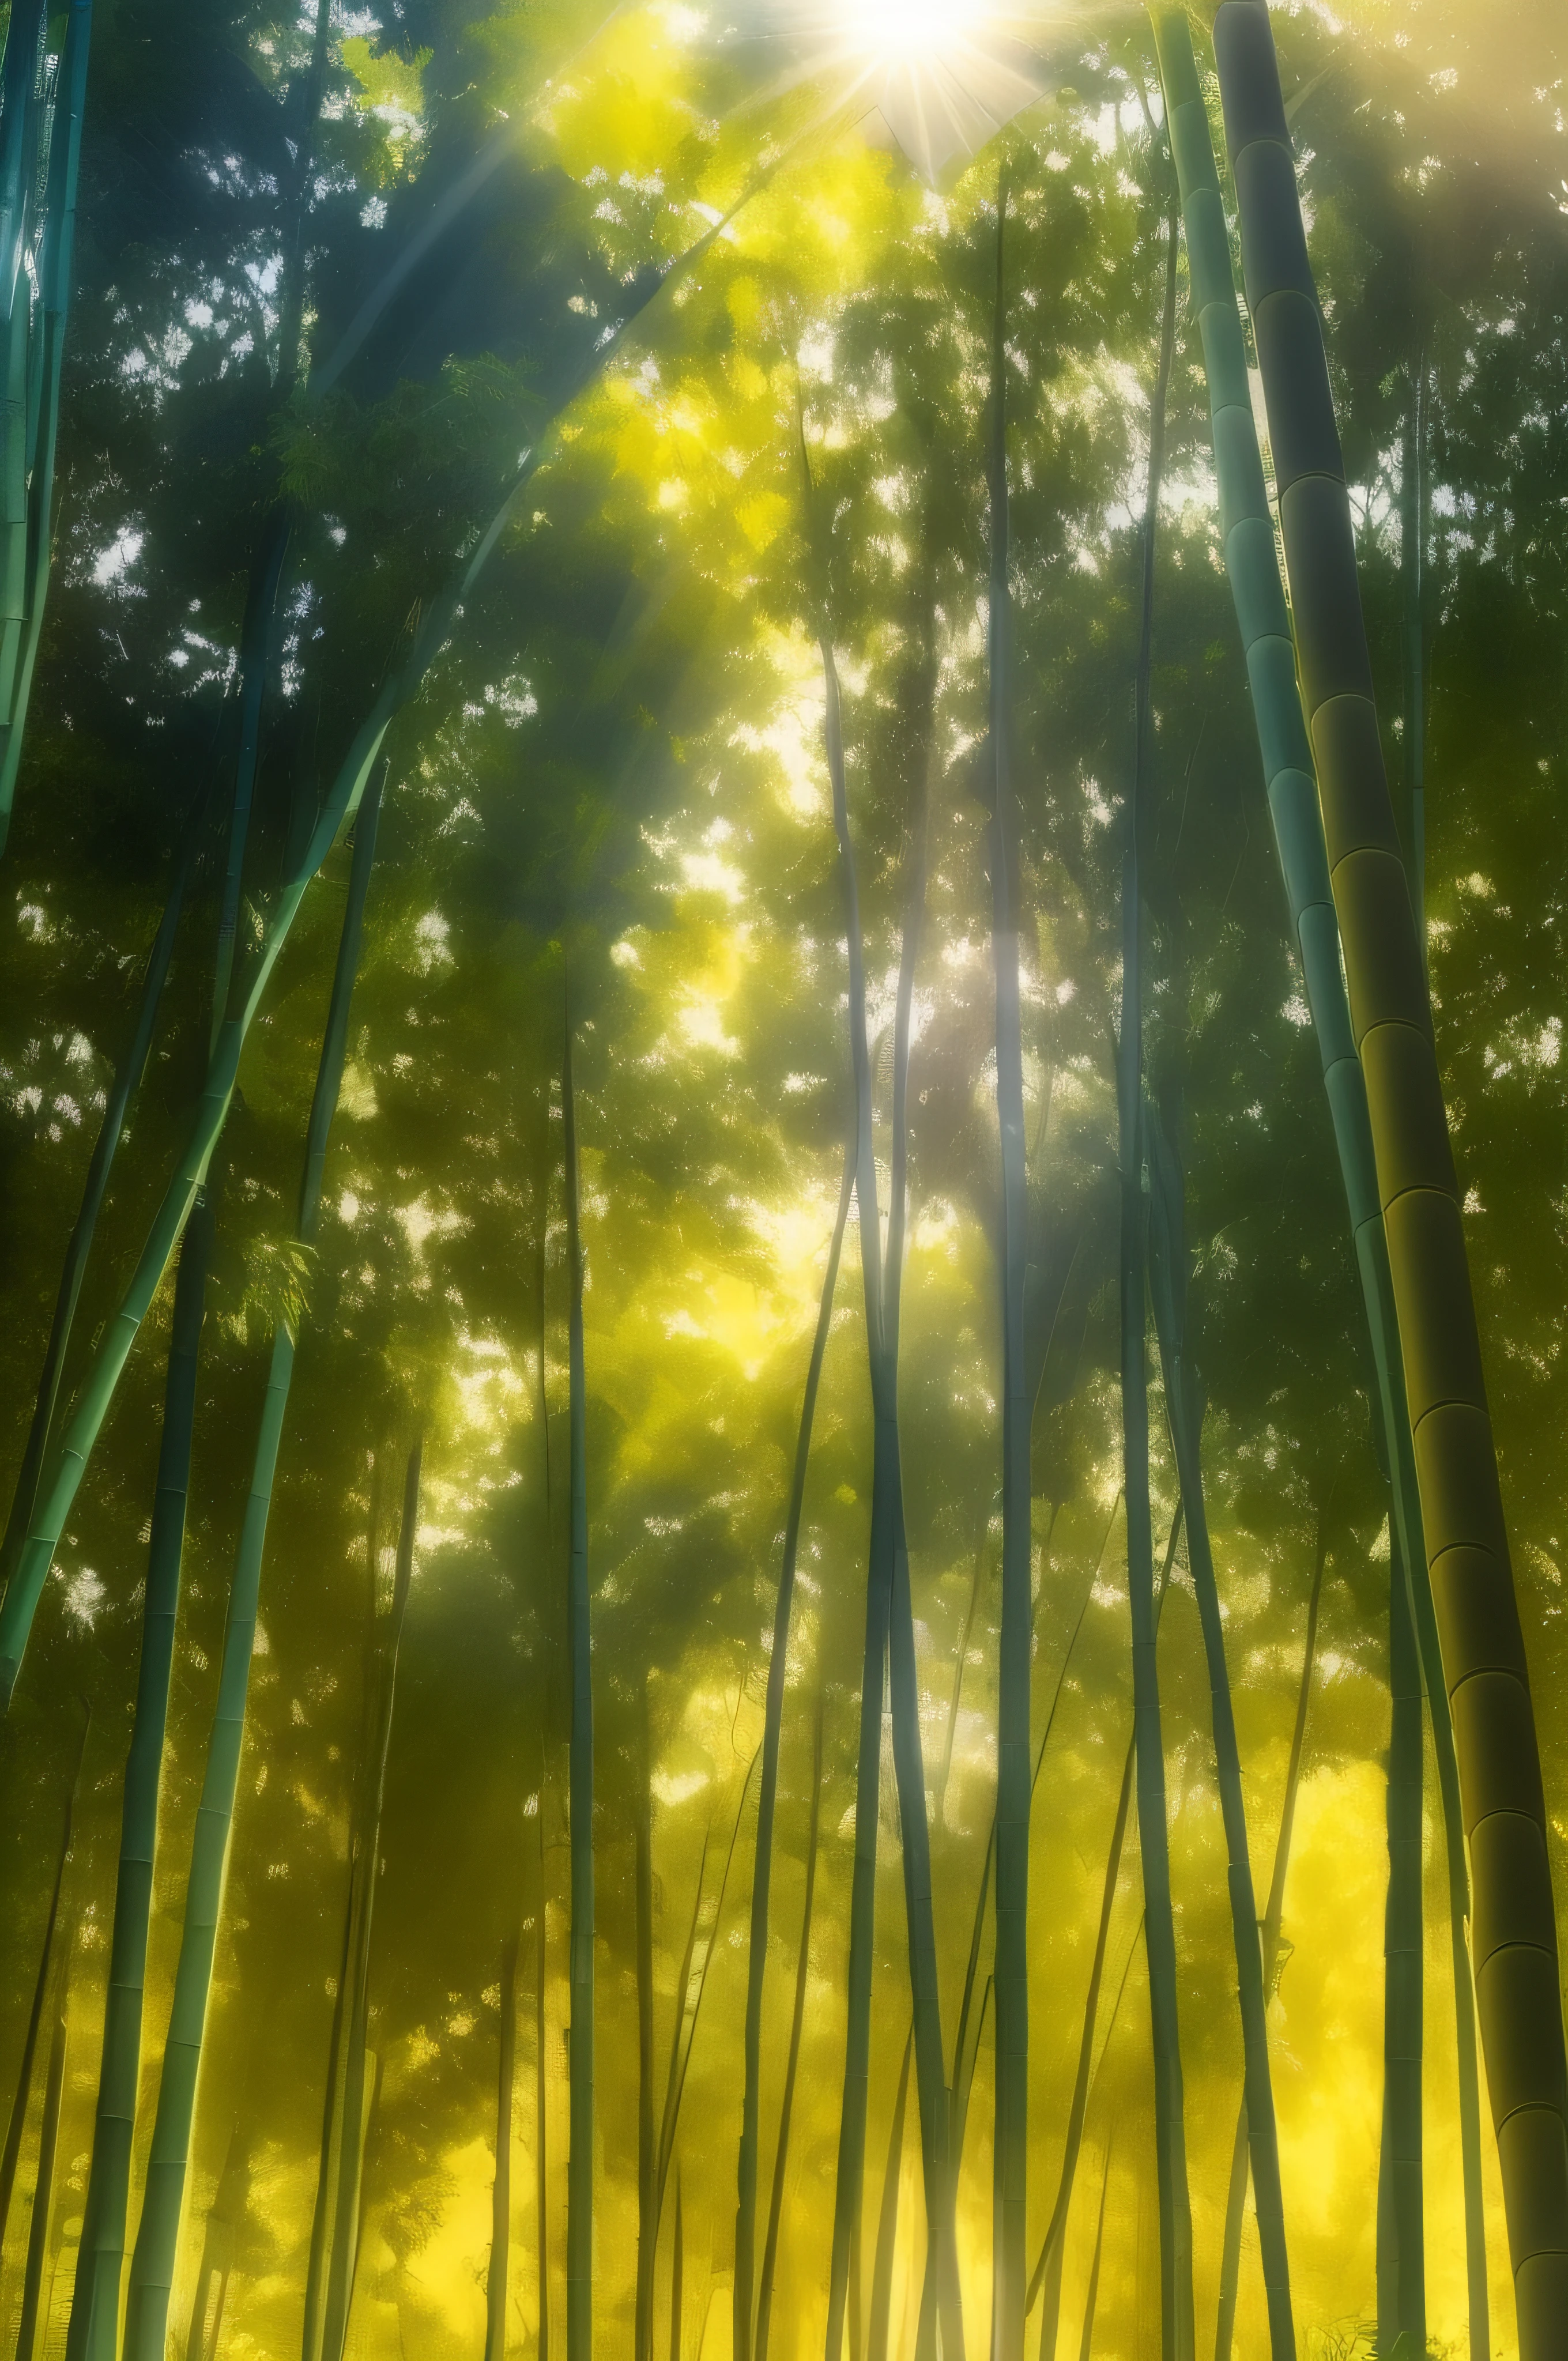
786	1182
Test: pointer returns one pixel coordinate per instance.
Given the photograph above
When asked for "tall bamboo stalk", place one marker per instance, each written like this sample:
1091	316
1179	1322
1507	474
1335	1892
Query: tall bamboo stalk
360	2070
218	2241
67	1462
1412	583
580	2157
1009	2268
541	2087
498	2278
677	2269
30	537
792	2064
158	2236
122	1088
10	2155
647	2136
1091	2300
1184	1407
1273	1921
43	2185
324	2211
94	2331
1289	769
767	1793
1048	2271
1401	2268
887	2216
1171	2139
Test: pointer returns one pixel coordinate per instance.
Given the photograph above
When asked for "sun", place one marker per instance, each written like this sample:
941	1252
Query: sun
906	32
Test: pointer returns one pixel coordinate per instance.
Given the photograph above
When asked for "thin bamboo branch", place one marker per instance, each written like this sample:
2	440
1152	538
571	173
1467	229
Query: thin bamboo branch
792	2067
580	2154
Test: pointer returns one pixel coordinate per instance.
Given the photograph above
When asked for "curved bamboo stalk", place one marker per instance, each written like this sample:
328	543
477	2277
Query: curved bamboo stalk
11	2154
580	1780
792	2067
497	2278
1273	1921
1184	1407
67	1465
126	1082
762	1878
94	2331
1171	2141
158	2236
1289	769
887	2216
1013	1781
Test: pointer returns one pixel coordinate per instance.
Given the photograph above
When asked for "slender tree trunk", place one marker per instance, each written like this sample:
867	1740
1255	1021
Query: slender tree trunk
43	2187
580	2158
1171	2142
1289	765
792	2065
122	1090
677	2268
1273	1919
1401	2270
94	2331
1012	1783
325	2209
1465	1533
762	1879
961	1659
1184	1407
158	2236
647	2138
11	2154
1086	2345
887	2217
497	2282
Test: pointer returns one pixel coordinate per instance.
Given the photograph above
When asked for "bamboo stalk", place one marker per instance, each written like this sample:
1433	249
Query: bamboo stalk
1086	2344
64	168
1013	1780
43	2187
67	1465
1401	2269
326	2209
94	2331
1273	1919
218	2240
1289	768
580	2155
887	2216
1047	2270
20	104
540	2082
767	1793
647	2140
497	2278
792	2065
677	2266
1170	2144
10	2155
359	2075
1184	1407
158	2236
122	1088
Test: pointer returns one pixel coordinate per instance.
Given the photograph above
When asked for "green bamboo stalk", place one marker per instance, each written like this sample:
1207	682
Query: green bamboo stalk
887	2216
59	238
682	2002
1013	1780
1184	1409
647	2138
1170	2143
1412	582
767	1795
43	2187
580	2157
20	98
792	2064
10	2155
359	2083
68	1464
976	1577
1289	770
122	1088
1086	2344
94	2331
497	2277
218	2238
541	2078
1047	2274
1401	2271
1273	1921
325	2211
677	2265
158	2236
690	2007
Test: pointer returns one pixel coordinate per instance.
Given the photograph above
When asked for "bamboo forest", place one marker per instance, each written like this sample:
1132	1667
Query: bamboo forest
783	1179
